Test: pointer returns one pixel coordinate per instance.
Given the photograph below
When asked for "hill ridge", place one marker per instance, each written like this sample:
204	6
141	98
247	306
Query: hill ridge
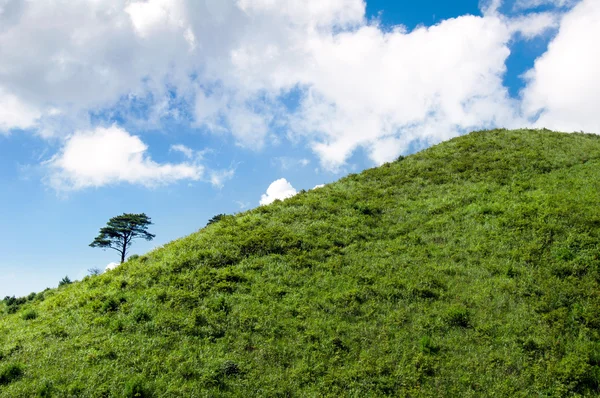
468	269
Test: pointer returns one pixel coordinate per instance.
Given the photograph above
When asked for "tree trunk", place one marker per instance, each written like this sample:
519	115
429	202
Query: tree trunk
124	252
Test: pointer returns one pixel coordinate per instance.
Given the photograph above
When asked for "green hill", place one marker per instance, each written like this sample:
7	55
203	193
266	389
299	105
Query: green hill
470	269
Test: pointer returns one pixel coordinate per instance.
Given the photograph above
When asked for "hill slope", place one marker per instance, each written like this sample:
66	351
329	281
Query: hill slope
469	269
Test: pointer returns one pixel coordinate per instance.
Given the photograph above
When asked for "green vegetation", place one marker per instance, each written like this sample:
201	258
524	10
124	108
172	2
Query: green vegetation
65	281
469	269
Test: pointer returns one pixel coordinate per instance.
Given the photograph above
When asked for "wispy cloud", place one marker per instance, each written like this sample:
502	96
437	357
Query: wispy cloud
187	152
287	163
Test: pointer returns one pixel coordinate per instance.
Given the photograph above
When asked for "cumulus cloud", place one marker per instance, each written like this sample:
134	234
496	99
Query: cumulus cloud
232	65
111	266
533	25
280	189
319	186
14	114
111	155
563	89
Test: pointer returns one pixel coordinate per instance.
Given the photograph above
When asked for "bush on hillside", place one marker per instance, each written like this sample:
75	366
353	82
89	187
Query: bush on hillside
10	373
64	281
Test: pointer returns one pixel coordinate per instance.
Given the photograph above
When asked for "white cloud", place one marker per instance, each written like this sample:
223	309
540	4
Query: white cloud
14	114
111	266
533	25
319	186
286	163
490	7
528	4
280	189
564	85
108	156
187	152
218	177
243	205
152	15
232	63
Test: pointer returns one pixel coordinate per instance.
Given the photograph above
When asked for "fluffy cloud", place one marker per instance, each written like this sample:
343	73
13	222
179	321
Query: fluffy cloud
14	114
232	65
280	189
111	266
111	155
563	91
533	25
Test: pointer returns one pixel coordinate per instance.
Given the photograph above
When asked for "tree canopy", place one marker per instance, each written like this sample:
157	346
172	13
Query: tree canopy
120	231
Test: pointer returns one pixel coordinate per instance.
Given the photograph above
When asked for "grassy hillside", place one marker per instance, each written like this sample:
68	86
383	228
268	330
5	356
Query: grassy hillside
469	269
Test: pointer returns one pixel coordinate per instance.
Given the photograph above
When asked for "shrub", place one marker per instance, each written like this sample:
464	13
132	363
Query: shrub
141	315
230	368
65	281
11	309
29	315
13	304
10	373
216	218
76	389
111	304
95	271
133	257
136	389
45	390
458	316
427	345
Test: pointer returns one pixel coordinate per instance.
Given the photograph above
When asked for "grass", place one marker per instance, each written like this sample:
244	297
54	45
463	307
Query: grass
469	269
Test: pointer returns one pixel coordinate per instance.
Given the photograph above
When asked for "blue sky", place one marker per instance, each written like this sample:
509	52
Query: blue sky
185	109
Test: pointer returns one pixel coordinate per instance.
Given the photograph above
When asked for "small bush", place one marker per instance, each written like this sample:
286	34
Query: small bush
13	304
10	373
29	315
12	309
216	218
458	316
45	390
76	389
64	281
141	315
111	304
427	346
230	368
136	389
133	257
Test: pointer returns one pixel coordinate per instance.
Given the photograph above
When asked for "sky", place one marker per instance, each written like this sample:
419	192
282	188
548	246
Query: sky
184	109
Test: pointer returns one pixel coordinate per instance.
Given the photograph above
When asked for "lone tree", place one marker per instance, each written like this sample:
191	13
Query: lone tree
121	230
